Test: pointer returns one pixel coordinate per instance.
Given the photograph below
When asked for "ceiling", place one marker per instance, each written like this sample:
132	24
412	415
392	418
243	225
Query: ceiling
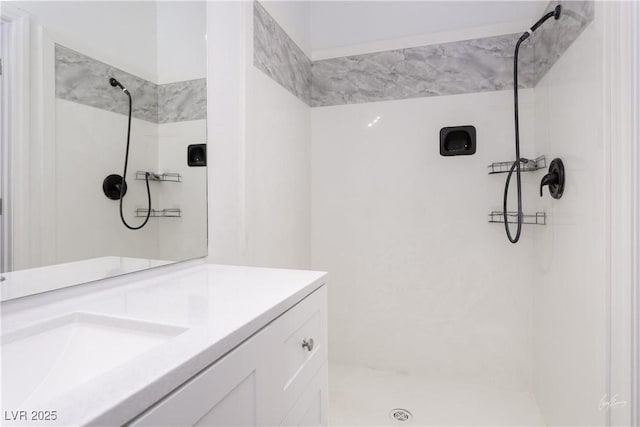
345	23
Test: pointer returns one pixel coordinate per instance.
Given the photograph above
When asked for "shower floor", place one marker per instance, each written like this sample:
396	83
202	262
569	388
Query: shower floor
360	396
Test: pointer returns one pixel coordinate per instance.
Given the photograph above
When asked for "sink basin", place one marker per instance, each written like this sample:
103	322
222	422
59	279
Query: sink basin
48	359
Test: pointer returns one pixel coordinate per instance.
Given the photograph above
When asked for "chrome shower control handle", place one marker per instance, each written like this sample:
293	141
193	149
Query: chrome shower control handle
308	344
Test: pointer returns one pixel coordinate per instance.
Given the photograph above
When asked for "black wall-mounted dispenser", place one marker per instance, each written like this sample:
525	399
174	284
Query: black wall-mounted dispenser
197	155
458	141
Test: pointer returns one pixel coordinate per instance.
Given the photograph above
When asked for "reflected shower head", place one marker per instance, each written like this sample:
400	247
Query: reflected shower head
556	12
113	82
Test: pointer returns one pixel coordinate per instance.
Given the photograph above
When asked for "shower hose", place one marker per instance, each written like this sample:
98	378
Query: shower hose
519	160
124	175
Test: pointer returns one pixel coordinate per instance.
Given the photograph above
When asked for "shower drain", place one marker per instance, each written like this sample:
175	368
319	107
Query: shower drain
400	415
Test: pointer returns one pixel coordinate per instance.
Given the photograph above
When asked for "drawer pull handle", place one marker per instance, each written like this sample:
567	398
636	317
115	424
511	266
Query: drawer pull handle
308	344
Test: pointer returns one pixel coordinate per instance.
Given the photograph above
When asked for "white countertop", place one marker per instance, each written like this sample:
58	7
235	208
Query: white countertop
213	307
17	284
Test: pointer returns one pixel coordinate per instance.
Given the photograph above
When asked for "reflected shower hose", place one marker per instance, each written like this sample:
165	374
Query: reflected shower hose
519	160
115	83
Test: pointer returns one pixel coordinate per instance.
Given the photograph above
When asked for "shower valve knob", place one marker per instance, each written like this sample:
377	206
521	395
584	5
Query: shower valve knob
554	179
549	179
308	344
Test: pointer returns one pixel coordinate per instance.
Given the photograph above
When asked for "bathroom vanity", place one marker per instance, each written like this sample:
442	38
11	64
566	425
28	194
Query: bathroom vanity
204	345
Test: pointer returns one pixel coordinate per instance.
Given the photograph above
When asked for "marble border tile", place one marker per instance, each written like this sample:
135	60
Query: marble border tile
182	101
277	55
476	65
85	80
551	41
467	66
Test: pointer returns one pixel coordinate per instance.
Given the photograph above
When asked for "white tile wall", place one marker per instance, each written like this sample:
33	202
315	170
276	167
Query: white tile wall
570	291
420	282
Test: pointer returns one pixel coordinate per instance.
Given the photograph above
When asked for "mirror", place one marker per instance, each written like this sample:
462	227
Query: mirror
79	80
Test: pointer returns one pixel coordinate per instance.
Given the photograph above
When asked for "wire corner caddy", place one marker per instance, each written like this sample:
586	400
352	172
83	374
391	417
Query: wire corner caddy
538	218
153	176
538	163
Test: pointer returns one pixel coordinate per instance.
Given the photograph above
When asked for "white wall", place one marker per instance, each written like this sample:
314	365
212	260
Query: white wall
571	293
278	175
227	58
181	29
122	34
259	151
295	18
161	42
420	282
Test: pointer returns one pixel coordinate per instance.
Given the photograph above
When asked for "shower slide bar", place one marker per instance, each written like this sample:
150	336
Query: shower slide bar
538	218
172	177
532	165
159	213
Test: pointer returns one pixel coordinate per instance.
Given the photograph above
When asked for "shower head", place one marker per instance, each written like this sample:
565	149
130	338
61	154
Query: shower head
555	14
557	11
113	82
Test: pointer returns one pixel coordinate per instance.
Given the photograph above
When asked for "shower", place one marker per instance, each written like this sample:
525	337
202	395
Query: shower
516	165
114	186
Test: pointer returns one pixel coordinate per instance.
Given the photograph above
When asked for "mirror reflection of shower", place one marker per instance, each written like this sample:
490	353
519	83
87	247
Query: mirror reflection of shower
115	186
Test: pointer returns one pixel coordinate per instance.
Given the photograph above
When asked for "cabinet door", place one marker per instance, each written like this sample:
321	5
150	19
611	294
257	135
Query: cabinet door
311	407
229	393
298	343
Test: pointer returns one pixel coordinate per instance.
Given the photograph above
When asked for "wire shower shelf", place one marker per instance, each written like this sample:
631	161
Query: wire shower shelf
538	218
538	163
159	213
171	177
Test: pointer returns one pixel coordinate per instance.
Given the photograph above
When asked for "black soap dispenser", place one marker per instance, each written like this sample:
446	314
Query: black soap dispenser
197	155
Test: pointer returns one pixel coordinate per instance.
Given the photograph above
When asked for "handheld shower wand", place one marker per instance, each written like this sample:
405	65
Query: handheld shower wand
113	82
123	186
516	165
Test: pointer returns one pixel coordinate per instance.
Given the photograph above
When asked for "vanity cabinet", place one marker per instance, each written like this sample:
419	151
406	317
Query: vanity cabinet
278	376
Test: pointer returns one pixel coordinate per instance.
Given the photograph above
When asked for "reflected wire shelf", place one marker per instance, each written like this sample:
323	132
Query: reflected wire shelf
530	166
172	177
157	213
538	218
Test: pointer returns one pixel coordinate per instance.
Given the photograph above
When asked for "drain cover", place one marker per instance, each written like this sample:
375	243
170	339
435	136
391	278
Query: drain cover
400	415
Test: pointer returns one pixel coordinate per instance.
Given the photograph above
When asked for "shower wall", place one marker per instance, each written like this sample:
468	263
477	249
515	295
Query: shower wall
87	223
421	283
570	293
416	270
167	118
